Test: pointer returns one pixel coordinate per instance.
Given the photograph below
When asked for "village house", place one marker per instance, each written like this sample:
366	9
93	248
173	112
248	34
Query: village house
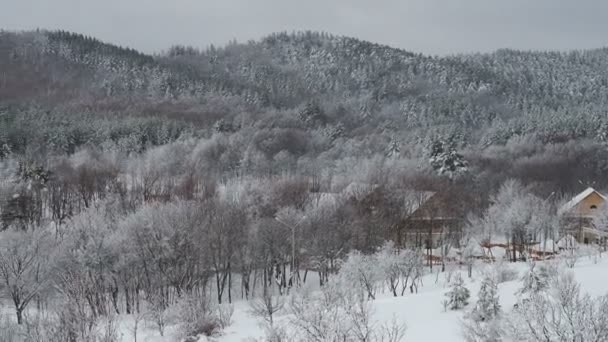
435	220
579	217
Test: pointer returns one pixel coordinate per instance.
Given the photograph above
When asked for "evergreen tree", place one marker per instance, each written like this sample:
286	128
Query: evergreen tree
334	132
223	126
458	296
394	148
445	160
488	306
312	114
535	280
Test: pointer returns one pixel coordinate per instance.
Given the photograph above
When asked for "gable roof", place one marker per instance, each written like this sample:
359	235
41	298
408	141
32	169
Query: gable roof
441	205
321	199
578	199
420	198
358	189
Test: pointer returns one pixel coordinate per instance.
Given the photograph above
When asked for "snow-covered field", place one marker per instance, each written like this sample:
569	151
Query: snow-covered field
423	312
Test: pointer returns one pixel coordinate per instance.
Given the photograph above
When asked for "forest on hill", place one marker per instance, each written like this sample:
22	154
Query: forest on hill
292	98
136	179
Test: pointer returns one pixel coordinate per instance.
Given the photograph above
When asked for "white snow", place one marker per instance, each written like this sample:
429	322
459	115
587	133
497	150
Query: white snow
422	312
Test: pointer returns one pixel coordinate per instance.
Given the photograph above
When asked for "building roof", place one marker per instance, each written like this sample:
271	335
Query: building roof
578	199
321	199
449	204
358	189
420	198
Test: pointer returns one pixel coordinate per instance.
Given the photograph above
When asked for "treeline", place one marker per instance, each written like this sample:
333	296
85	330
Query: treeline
358	86
97	233
212	215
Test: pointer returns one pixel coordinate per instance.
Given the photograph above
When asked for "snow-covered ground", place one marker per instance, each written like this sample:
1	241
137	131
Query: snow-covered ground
423	312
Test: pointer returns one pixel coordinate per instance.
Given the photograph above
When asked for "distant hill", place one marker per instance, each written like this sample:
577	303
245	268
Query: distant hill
328	80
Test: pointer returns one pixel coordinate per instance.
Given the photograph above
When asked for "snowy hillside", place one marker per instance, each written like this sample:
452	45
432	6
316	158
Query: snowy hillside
301	187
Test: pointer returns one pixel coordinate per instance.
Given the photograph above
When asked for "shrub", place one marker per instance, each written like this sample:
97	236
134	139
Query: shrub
563	313
198	316
224	315
503	272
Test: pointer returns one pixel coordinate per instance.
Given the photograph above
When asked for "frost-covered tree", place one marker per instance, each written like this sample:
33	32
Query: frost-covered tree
458	296
518	216
537	279
561	314
25	267
267	306
487	306
363	272
470	248
445	159
392	265
484	322
400	268
394	148
338	313
478	331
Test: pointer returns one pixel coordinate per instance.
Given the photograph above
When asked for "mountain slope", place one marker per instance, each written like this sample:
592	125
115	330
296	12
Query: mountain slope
339	83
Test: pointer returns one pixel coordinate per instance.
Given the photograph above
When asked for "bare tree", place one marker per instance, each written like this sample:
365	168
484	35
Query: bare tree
25	266
560	314
363	272
266	306
158	312
339	313
225	229
137	319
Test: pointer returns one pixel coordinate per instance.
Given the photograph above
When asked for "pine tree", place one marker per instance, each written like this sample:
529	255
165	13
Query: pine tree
223	126
445	160
488	306
458	296
312	114
334	132
394	149
5	150
535	280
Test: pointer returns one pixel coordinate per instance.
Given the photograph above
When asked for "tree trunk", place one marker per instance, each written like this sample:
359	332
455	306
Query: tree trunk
514	252
115	297
137	307
229	284
128	300
19	312
394	288
218	286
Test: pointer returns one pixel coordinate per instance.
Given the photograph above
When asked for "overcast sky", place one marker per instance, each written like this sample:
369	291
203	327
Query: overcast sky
428	26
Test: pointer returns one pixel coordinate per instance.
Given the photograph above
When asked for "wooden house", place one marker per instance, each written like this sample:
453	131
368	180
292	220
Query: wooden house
436	217
578	217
